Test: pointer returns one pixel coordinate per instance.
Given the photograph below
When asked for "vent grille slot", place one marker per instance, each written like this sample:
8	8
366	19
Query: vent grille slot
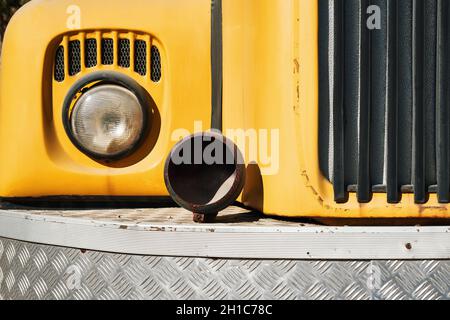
91	53
74	57
140	57
130	51
156	64
59	64
384	119
107	51
124	53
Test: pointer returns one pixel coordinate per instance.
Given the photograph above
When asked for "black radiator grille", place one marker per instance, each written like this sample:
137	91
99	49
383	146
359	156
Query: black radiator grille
384	117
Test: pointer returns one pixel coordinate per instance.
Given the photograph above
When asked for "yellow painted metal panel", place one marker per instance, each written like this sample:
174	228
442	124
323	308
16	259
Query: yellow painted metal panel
270	85
40	159
271	82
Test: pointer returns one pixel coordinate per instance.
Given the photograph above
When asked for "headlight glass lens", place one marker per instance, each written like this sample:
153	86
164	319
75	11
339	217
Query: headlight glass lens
107	120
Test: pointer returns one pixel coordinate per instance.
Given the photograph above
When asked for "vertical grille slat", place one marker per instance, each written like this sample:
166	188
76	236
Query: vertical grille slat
418	102
404	99
364	182
351	83
392	185
336	46
378	95
442	103
429	92
389	131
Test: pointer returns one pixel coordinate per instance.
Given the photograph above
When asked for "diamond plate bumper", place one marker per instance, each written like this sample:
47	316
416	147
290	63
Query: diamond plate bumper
32	271
160	254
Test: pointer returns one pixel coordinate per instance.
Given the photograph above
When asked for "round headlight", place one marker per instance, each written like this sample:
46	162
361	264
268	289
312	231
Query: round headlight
107	121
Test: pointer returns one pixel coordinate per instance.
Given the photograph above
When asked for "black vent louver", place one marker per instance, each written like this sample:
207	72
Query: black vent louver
124	53
156	64
74	57
91	53
384	117
140	57
107	51
59	64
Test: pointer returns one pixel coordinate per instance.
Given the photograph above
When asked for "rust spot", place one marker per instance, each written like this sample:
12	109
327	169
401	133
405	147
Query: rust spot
318	196
123	227
296	66
308	184
204	218
158	229
83	251
408	246
423	209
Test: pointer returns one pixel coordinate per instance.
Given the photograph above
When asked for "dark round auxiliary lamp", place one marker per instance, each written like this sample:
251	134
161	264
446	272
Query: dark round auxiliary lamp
205	173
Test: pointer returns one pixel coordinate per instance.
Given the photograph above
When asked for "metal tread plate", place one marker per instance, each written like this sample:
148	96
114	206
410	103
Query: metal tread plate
34	271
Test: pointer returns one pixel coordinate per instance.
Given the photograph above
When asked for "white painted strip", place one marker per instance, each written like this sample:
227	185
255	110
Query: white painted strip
343	243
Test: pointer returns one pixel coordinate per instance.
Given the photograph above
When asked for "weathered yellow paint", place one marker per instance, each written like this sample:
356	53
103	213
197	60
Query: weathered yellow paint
270	82
40	159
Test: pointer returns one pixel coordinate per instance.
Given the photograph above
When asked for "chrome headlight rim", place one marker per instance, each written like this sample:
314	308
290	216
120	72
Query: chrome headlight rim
103	78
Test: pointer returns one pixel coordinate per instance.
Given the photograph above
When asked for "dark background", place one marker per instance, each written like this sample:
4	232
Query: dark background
7	9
